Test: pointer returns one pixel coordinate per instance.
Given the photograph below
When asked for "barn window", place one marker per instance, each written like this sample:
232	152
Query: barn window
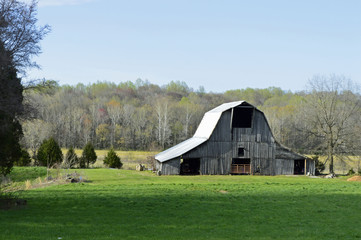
240	152
242	117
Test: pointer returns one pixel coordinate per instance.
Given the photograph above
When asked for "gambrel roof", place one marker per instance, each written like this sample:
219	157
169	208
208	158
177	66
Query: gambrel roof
203	133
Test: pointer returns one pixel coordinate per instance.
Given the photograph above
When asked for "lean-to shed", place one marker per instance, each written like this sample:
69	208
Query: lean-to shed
233	138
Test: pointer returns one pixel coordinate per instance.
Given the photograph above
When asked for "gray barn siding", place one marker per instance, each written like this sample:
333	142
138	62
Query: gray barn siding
222	131
171	167
284	167
267	156
215	157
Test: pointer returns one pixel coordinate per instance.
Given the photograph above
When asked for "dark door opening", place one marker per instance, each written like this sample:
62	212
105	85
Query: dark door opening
241	166
299	168
190	166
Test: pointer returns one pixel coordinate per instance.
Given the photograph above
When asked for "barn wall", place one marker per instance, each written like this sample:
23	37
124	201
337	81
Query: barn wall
222	131
171	167
216	154
258	143
215	157
284	166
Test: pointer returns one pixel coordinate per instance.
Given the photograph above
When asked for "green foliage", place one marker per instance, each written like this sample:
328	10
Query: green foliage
112	160
88	156
21	174
71	159
24	159
178	87
49	153
10	151
10	107
351	172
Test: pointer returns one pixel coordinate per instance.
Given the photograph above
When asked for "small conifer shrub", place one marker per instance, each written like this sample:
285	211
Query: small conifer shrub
112	160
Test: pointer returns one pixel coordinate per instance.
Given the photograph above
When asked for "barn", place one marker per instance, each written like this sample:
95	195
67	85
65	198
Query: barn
233	138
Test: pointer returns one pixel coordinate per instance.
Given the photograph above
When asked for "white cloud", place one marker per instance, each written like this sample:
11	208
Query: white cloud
43	3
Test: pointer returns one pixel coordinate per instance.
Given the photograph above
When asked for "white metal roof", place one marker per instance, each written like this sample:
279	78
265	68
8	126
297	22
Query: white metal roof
204	131
211	118
180	149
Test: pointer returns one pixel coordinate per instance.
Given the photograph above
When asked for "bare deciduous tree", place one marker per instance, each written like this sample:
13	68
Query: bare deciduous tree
330	113
19	32
162	112
35	132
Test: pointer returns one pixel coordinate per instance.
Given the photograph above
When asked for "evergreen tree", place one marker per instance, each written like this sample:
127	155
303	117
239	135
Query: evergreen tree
24	159
10	108
49	153
19	38
112	160
88	156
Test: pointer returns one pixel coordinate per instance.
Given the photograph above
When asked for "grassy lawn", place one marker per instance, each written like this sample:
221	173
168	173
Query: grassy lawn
123	204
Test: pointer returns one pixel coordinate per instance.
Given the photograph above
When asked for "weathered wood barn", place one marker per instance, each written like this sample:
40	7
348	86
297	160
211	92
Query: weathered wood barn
233	138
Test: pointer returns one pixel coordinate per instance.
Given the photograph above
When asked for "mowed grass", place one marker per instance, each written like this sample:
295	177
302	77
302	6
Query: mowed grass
124	204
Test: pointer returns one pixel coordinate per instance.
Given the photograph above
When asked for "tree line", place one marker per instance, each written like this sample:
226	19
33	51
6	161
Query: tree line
323	119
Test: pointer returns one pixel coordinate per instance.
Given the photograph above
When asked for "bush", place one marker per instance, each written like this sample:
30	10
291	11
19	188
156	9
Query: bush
88	156
351	172
49	153
71	159
319	166
112	160
24	159
10	151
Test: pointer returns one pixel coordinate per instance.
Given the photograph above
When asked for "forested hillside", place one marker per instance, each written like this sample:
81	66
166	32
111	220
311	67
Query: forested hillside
145	116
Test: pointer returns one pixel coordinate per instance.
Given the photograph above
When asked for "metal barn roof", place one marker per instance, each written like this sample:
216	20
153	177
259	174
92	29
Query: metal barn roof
204	131
180	149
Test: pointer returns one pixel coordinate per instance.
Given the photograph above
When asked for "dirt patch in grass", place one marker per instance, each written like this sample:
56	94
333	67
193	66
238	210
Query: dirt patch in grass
354	179
223	191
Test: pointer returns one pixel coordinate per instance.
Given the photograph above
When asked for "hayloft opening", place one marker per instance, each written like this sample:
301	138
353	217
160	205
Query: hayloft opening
190	166
299	168
242	117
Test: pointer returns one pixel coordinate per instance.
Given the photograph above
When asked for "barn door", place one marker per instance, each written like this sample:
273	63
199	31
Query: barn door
299	168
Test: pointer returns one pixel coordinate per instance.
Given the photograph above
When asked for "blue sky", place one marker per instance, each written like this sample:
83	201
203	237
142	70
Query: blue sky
220	45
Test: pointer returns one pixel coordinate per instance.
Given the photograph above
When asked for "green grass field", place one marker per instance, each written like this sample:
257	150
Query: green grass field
123	204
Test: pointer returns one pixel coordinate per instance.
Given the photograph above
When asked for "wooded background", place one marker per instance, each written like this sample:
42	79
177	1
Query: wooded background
144	116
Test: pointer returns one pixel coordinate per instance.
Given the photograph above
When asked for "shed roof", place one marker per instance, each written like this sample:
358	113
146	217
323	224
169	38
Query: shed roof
180	149
283	152
203	133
